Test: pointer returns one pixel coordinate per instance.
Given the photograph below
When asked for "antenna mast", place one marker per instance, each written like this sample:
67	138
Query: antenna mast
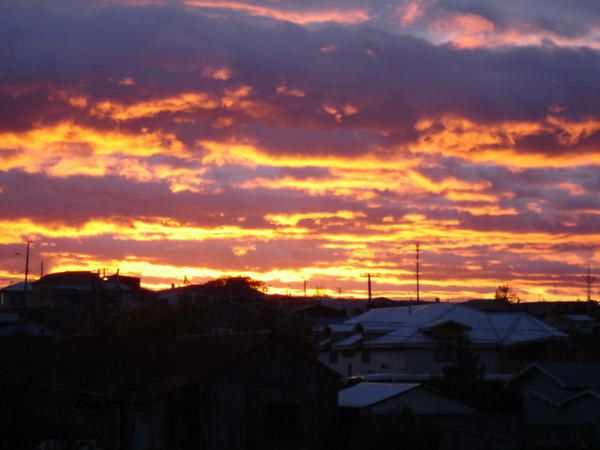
589	279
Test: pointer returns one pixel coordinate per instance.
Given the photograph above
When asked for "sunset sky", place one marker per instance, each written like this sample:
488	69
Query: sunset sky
305	139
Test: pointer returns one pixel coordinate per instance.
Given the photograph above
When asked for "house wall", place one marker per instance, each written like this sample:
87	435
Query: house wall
397	360
74	397
421	401
547	424
236	409
585	410
582	411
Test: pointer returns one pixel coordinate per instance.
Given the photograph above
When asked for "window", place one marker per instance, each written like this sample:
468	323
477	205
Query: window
284	423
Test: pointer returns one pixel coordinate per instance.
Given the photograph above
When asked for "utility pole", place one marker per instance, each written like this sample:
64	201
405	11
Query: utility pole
305	282
589	279
27	266
41	269
369	276
418	251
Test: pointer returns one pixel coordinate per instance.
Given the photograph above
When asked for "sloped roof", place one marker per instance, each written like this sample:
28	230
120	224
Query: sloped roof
17	287
349	341
567	374
579	318
367	394
559	397
70	278
486	328
186	359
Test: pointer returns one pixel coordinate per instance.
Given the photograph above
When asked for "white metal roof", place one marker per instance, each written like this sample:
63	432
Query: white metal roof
349	341
367	394
482	327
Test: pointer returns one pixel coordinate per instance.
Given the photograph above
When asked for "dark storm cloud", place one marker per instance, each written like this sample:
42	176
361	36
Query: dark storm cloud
165	50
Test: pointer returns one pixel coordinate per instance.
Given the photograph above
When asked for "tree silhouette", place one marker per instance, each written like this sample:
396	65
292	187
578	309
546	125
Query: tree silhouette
505	293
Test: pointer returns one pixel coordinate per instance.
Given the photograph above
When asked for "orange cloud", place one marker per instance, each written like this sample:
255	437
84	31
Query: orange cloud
496	142
222	73
186	102
410	11
345	16
464	30
292	92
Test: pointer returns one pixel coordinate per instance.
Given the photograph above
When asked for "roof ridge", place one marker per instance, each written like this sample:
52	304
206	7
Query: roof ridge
487	317
446	311
511	328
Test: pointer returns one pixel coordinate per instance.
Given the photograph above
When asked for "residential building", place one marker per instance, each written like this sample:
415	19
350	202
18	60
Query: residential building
426	338
244	391
394	398
15	295
573	323
561	402
67	291
271	395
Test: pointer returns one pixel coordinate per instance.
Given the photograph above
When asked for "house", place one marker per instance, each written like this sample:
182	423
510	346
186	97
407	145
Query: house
426	338
412	415
68	291
390	398
238	391
65	389
317	314
561	402
194	294
15	295
86	298
573	323
350	308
